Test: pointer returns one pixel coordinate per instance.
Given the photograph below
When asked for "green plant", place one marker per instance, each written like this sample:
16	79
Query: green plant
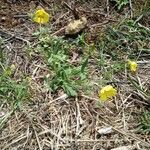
121	3
108	67
145	122
63	74
12	91
1	50
128	38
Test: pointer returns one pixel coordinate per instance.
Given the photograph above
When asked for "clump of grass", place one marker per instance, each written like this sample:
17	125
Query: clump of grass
129	39
126	39
141	6
145	122
11	91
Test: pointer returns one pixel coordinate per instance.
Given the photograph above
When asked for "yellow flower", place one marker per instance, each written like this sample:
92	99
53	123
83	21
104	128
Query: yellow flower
133	65
41	16
107	92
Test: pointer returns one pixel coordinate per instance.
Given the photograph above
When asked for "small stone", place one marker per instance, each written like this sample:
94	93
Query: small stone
3	19
105	130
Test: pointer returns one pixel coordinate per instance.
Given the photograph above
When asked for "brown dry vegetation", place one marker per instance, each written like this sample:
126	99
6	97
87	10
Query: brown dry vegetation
46	121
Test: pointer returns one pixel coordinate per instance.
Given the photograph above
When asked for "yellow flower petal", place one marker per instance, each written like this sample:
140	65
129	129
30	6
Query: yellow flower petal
41	16
107	92
133	65
102	95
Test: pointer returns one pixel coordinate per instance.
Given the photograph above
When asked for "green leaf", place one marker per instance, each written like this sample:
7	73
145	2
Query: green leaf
84	64
70	91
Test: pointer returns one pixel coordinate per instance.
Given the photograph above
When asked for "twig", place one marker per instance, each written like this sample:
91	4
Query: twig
45	2
99	24
107	5
127	134
90	98
131	136
5	118
51	132
62	16
79	119
15	141
143	62
59	31
37	138
95	140
21	16
62	97
74	11
139	94
131	10
36	135
68	6
11	36
92	11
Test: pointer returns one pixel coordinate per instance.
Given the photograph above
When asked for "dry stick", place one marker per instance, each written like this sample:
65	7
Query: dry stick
79	119
143	62
91	98
62	16
37	138
4	119
131	10
78	116
92	11
68	6
99	24
28	134
21	16
11	36
51	132
127	134
123	133
95	140
45	2
14	141
74	11
131	136
107	5
146	100
7	136
59	137
62	97
59	31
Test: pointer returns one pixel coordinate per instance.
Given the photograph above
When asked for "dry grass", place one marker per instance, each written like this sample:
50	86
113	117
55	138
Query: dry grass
50	121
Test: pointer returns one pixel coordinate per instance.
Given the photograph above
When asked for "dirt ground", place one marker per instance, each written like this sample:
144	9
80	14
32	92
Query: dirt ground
46	122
